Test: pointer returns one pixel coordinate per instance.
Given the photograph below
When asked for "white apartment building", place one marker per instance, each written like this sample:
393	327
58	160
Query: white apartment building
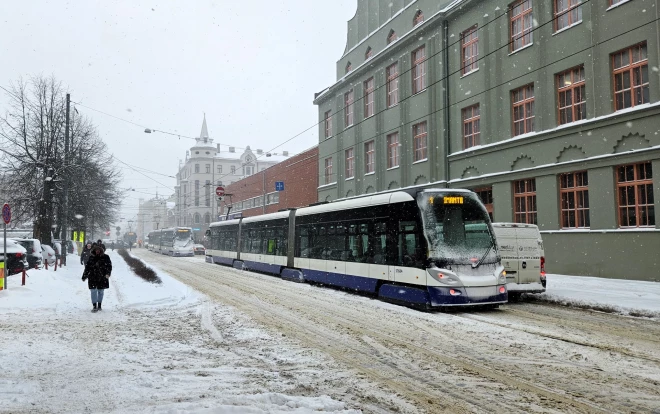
207	166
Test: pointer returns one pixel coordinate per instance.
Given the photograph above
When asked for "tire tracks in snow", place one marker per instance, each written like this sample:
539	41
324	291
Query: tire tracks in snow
214	285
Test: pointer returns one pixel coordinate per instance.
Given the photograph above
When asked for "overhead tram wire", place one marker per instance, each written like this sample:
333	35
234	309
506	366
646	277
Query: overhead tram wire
140	172
441	50
507	44
384	133
145	127
504	14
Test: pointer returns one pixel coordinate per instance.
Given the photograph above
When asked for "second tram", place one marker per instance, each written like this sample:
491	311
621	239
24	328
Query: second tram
175	241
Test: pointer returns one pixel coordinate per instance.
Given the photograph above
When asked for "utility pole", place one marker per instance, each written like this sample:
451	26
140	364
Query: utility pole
66	181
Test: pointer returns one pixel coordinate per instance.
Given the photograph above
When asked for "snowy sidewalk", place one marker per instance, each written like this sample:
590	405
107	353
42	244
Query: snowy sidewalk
614	295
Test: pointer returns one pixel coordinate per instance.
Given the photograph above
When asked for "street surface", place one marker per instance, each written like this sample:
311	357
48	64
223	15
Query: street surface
526	357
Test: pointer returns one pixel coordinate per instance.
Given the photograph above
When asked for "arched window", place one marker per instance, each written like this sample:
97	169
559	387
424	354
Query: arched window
419	17
207	218
368	54
197	218
349	67
391	37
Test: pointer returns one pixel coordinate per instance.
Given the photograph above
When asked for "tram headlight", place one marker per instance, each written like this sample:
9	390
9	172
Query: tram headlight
502	277
445	277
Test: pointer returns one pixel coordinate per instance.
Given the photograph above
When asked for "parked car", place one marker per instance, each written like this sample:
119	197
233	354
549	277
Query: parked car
199	249
71	247
16	260
48	254
34	255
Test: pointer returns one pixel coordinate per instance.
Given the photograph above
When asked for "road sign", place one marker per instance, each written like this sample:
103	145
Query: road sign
6	213
196	229
279	185
219	191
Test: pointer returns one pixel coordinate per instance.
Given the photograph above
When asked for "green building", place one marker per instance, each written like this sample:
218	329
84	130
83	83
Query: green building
549	110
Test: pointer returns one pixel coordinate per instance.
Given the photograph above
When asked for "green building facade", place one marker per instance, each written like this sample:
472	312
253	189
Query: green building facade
549	110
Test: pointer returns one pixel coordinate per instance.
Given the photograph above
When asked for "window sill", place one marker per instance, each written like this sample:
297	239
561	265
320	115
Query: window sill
566	28
614	6
469	73
350	178
521	48
326	185
420	161
348	127
370	116
393	106
417	93
370	173
392	168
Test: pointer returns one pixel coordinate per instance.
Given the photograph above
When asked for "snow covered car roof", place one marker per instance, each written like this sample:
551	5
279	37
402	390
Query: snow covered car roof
12	247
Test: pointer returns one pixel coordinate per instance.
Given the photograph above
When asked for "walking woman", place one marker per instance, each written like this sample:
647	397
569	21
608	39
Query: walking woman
97	272
87	250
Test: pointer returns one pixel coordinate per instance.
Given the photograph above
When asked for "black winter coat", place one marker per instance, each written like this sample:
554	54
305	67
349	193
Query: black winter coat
96	269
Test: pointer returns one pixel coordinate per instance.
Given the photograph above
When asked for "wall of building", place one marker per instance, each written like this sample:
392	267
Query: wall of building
300	187
598	145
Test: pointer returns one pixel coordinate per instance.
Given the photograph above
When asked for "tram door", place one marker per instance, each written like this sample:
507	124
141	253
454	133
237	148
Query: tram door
408	254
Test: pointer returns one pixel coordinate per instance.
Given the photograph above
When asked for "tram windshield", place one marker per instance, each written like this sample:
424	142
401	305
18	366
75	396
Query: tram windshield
457	228
182	235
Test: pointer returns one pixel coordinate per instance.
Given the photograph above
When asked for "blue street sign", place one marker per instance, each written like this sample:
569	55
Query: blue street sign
279	185
196	229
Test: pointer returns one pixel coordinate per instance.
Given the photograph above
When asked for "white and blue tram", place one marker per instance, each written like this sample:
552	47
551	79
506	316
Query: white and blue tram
175	241
428	248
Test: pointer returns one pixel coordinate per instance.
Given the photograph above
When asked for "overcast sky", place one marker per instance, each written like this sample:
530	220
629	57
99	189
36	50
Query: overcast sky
252	66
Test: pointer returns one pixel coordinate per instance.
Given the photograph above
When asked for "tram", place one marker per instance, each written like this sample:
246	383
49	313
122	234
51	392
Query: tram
175	241
428	248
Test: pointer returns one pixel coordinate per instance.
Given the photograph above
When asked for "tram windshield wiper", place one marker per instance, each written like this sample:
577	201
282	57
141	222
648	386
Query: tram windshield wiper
476	265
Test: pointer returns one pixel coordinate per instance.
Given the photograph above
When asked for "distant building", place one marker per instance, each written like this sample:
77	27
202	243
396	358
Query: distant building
207	166
153	214
549	110
258	194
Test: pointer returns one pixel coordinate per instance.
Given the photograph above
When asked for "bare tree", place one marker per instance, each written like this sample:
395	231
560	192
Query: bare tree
32	162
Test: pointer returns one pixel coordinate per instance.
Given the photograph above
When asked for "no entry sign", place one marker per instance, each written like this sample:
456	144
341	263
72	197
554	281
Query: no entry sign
219	191
6	213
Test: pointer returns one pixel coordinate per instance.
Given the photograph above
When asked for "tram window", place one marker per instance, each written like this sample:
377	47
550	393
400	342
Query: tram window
408	244
303	241
318	240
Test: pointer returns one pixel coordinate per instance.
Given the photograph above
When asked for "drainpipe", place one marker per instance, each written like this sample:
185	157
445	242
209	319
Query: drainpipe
445	74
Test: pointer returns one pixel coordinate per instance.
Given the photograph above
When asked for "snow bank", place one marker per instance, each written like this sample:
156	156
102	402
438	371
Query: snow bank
614	295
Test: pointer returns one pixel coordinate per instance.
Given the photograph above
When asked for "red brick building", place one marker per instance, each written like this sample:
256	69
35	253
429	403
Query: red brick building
257	195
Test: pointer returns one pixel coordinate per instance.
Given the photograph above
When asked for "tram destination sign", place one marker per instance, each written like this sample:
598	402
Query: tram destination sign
452	200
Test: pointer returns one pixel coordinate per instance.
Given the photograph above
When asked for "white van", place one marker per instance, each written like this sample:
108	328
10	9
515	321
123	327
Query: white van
521	249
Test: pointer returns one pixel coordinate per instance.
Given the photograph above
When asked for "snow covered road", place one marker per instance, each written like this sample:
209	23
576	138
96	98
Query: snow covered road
257	344
523	358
